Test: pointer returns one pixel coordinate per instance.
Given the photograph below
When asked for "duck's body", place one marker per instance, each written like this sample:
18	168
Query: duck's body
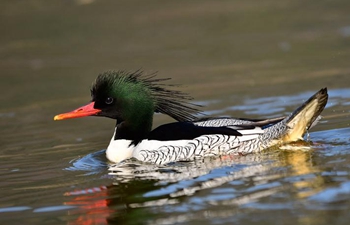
132	99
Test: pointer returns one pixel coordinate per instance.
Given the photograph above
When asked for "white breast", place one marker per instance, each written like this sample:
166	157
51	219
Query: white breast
118	150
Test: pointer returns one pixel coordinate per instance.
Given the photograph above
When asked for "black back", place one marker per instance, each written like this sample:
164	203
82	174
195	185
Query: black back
187	131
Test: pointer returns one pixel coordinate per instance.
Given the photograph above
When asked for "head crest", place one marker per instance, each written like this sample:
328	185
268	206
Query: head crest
170	102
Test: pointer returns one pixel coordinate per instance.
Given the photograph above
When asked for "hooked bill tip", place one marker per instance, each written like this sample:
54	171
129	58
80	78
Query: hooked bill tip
57	117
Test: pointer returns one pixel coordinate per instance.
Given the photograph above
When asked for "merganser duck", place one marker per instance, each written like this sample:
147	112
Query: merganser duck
132	99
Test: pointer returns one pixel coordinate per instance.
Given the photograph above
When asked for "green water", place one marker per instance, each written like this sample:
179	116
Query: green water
241	58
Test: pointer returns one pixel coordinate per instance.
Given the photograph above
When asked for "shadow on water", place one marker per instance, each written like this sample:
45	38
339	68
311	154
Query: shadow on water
93	163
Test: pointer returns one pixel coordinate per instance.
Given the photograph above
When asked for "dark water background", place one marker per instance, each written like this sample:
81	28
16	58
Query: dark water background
241	58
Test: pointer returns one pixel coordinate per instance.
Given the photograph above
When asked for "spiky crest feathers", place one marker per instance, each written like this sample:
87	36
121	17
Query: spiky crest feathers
170	102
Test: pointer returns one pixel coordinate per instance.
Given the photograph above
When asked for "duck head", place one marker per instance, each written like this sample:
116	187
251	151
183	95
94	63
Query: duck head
132	99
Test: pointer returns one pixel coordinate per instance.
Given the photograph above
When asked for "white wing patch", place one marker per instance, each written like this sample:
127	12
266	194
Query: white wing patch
256	130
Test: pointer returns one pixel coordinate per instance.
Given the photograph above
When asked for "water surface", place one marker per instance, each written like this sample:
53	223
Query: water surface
244	59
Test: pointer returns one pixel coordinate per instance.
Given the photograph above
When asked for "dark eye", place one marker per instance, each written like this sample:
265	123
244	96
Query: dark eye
109	100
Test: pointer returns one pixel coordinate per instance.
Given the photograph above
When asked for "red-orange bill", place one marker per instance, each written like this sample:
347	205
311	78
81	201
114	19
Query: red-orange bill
87	110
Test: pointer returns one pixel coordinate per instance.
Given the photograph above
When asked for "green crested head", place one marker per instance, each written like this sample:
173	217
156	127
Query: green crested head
121	96
134	97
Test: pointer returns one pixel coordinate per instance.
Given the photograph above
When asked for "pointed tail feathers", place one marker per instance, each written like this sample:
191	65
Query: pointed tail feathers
306	116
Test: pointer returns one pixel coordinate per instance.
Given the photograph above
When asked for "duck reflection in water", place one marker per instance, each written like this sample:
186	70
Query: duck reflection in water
139	190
